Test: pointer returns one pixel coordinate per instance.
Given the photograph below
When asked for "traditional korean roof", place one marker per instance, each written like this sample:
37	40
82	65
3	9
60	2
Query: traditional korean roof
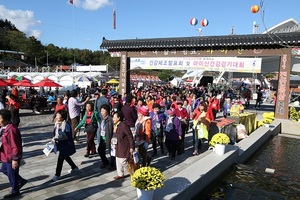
292	38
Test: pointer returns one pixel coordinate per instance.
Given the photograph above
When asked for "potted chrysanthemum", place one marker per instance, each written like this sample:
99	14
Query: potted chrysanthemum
218	142
146	180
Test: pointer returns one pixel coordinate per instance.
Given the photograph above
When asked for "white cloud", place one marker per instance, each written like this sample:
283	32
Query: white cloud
92	4
23	20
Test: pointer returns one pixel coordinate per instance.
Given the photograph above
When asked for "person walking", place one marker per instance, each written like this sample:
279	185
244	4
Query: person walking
74	108
123	143
90	121
182	115
143	126
129	112
158	119
14	107
259	98
11	153
173	133
64	143
106	133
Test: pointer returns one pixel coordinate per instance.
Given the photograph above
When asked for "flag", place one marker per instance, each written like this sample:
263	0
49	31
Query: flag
114	20
71	1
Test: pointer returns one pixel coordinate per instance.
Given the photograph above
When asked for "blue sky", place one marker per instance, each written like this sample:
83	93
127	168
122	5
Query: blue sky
83	24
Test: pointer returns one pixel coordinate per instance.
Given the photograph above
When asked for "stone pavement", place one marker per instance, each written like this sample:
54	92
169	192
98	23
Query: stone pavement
90	182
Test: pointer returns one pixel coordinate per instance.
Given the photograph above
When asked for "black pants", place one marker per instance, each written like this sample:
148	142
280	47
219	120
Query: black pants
180	148
101	151
258	102
215	112
172	147
159	139
60	162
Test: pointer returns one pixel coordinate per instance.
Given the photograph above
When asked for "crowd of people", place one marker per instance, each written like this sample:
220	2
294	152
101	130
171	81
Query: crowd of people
121	125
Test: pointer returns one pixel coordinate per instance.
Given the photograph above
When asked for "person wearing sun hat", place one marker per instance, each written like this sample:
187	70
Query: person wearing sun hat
236	108
143	126
173	133
158	118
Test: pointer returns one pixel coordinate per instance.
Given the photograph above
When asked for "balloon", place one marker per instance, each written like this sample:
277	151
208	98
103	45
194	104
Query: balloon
193	21
204	22
254	8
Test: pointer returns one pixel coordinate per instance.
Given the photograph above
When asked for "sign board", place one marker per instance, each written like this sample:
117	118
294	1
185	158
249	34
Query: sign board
229	64
92	68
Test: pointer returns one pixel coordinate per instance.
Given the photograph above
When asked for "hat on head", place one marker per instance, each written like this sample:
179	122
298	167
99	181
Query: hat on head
162	104
179	102
172	111
144	110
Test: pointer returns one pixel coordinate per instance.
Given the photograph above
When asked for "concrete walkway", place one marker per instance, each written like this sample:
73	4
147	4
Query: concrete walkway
90	182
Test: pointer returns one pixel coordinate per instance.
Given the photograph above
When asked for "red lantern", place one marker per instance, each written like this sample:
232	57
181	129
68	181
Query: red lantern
254	8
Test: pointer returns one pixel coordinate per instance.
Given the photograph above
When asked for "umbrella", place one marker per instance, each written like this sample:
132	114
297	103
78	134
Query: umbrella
113	81
47	82
25	83
84	79
11	81
101	78
3	83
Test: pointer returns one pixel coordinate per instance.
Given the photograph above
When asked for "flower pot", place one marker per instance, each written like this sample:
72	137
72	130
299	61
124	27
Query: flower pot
144	195
220	149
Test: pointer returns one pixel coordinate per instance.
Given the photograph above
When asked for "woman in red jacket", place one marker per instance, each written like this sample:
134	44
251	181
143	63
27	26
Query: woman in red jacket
11	153
215	106
182	115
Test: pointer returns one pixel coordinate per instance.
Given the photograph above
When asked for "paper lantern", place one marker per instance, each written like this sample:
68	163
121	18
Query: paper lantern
254	8
193	21
204	22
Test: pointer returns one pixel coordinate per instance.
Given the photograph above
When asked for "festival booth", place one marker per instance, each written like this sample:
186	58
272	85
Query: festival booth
247	118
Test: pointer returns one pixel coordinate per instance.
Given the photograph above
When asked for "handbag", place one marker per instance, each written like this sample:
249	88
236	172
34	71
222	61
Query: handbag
89	128
132	165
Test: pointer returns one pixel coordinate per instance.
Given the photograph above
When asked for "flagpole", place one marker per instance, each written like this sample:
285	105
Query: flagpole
73	37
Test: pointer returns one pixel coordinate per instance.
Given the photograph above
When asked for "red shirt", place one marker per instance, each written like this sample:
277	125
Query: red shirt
11	144
15	92
215	104
88	117
181	113
209	113
60	107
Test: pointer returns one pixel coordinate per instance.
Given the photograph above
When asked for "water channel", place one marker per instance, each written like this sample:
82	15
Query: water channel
252	181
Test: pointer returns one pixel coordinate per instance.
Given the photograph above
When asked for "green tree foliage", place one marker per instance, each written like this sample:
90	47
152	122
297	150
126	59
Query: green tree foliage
14	40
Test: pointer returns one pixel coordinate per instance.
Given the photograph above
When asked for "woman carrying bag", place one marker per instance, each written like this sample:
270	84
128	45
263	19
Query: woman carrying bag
90	121
122	142
64	143
201	127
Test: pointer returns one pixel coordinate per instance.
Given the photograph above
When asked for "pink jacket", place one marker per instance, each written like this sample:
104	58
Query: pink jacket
11	144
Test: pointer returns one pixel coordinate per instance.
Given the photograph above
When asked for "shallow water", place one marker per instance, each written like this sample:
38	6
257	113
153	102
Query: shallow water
250	181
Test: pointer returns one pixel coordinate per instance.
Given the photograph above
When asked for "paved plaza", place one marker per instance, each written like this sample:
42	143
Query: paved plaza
90	182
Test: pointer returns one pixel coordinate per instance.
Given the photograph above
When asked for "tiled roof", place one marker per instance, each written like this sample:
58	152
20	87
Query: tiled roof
292	38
